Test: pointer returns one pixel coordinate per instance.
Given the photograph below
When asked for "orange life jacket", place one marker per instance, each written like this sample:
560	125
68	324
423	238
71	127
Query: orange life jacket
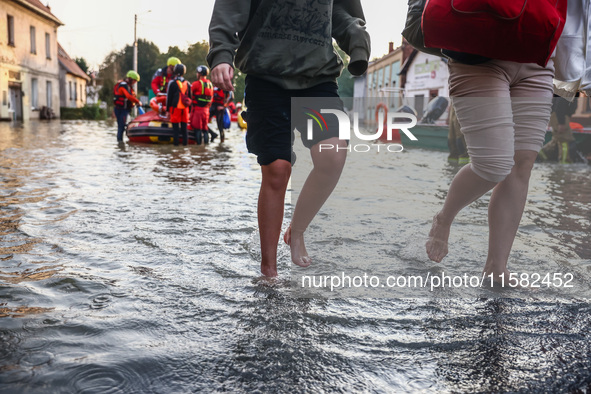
184	100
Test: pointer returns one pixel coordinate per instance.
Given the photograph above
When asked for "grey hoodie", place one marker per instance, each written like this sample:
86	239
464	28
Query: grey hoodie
289	42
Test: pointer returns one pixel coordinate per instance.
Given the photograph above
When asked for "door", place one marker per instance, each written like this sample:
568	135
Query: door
15	104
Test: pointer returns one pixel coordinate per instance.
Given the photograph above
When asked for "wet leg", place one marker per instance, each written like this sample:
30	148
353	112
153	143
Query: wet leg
270	211
465	188
504	213
328	166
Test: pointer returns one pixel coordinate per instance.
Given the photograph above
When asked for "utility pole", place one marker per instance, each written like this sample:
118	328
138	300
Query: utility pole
135	56
135	43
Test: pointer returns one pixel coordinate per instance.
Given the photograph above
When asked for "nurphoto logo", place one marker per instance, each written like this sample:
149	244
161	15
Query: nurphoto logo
395	121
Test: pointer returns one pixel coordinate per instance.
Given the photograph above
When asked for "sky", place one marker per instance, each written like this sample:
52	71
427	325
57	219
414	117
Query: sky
93	29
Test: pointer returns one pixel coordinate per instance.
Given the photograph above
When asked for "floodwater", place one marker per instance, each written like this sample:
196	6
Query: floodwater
134	269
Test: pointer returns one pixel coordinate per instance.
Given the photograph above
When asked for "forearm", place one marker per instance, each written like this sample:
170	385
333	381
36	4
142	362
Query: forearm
228	19
348	29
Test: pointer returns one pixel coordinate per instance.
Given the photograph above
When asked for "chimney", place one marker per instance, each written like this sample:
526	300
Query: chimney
390	47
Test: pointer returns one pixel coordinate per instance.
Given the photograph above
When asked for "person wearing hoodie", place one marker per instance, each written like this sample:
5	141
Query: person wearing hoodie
285	48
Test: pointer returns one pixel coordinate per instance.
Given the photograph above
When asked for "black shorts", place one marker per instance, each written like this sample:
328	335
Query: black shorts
269	118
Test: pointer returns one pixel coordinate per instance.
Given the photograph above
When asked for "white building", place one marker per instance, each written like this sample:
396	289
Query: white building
29	70
426	77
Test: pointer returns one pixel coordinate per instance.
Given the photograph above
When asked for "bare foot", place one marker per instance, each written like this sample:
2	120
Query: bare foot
437	243
269	270
295	240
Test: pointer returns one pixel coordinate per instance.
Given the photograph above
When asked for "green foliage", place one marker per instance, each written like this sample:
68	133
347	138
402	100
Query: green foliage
116	64
88	112
81	62
148	56
195	56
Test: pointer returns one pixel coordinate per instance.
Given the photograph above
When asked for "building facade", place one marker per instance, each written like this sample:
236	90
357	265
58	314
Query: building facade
380	84
425	77
29	69
73	81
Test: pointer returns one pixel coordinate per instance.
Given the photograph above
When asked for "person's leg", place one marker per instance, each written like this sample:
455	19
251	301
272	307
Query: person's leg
198	134
121	115
481	99
505	209
213	134
175	133
203	120
220	122
184	133
531	107
328	166
270	211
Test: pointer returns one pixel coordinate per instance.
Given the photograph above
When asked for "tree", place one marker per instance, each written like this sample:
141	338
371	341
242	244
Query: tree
81	62
116	65
195	56
147	63
109	73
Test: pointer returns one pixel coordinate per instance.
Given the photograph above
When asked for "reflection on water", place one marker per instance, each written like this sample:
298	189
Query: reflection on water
133	268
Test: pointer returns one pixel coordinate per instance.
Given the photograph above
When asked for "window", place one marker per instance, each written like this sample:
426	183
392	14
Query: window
395	71
10	24
70	89
75	91
34	93
81	97
33	41
49	94
48	45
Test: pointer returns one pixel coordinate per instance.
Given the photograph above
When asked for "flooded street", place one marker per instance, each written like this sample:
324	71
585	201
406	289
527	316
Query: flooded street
135	269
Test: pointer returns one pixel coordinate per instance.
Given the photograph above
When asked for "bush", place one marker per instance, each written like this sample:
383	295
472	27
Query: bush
88	112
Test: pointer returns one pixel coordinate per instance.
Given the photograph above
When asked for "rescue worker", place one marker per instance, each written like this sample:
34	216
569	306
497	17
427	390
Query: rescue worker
202	94
218	106
124	100
164	75
178	102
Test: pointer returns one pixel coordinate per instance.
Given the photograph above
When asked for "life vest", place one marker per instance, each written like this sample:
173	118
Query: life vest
218	95
164	84
120	100
183	90
204	94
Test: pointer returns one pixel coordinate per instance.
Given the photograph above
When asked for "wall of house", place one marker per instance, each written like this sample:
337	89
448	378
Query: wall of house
382	84
427	77
35	71
72	90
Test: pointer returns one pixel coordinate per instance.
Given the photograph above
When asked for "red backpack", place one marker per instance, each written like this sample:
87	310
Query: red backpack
524	31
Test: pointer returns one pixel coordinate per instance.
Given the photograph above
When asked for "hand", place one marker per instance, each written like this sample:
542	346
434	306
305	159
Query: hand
562	128
222	75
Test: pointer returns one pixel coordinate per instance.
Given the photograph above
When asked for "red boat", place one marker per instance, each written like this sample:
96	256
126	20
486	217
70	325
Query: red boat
151	128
